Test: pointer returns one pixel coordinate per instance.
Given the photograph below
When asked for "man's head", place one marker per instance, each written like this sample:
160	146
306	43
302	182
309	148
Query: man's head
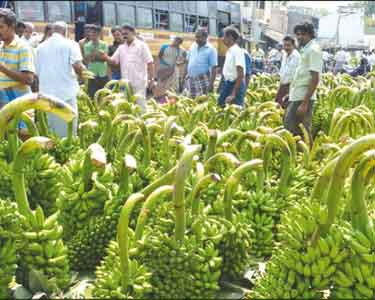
128	32
231	35
257	47
289	44
59	27
177	42
7	24
29	29
94	33
117	35
201	36
304	33
86	30
20	28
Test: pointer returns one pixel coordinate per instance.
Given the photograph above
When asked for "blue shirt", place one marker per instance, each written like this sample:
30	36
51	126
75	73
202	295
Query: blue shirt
201	60
248	63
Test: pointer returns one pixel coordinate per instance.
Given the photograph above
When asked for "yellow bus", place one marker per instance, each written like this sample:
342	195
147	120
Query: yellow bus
156	21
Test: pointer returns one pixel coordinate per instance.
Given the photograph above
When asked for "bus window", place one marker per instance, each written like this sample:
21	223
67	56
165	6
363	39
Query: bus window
177	22
212	27
203	22
109	14
144	17
94	12
32	11
190	23
161	19
126	14
144	3
59	11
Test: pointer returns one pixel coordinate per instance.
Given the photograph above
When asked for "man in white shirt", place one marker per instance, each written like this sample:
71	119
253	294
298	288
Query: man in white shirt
233	88
289	64
341	59
29	36
58	61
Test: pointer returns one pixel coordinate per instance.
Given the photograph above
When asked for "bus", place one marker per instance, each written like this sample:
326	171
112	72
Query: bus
157	22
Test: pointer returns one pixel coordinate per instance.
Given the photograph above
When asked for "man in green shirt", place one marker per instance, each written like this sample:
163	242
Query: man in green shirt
94	62
306	79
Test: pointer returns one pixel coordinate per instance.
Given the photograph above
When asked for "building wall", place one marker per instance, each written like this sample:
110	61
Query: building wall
295	18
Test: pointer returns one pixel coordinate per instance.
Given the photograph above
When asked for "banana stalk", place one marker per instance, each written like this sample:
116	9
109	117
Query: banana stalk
183	169
18	177
95	157
128	164
344	162
123	237
36	101
234	180
229	159
360	218
198	187
212	142
148	206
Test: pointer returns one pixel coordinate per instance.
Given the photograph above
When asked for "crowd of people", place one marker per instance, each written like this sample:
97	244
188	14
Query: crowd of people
54	65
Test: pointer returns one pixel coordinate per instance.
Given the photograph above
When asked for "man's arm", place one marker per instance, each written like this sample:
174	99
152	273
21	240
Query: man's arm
213	65
240	76
212	79
24	77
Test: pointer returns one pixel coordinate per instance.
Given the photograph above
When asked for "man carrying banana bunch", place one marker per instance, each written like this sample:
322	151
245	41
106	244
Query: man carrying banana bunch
56	60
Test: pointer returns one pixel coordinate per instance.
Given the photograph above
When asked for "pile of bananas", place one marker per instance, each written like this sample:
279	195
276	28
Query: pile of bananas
6	190
261	211
77	205
355	276
44	182
300	268
9	235
189	270
42	249
108	283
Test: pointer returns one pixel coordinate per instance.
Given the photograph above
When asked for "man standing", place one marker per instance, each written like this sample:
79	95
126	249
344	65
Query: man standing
233	87
201	67
341	59
306	79
16	63
117	41
136	63
58	58
258	56
248	61
86	38
288	68
29	37
95	63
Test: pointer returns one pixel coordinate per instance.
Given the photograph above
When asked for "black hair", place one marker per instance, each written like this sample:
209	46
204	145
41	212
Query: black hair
232	31
8	16
305	27
288	38
203	31
20	24
116	28
128	27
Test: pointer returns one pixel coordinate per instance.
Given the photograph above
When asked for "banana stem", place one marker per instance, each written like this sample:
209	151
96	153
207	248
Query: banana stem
123	237
147	150
165	146
273	140
70	133
183	168
212	142
201	185
129	163
13	140
33	130
148	206
360	218
165	179
234	180
229	159
344	162
18	176
36	101
94	157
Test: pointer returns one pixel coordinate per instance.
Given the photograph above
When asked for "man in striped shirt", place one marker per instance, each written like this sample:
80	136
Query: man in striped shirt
16	62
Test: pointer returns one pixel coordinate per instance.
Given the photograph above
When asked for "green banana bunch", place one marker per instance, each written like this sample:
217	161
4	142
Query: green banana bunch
77	205
42	249
9	235
42	175
108	279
